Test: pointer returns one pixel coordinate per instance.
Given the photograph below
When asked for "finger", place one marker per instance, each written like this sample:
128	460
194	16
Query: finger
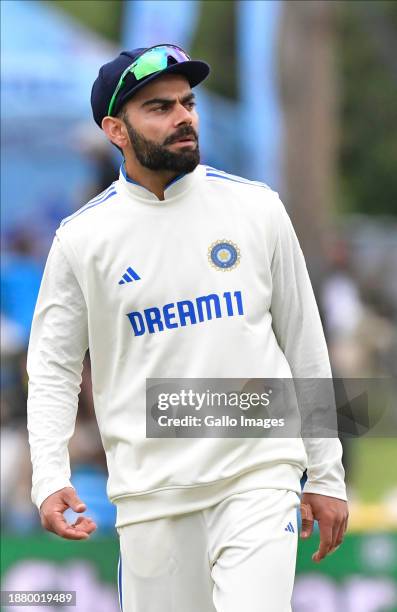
83	519
335	531
307	520
340	532
59	526
325	540
70	533
341	535
73	501
85	524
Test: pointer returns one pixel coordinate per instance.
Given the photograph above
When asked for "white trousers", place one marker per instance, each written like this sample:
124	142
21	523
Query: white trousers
236	556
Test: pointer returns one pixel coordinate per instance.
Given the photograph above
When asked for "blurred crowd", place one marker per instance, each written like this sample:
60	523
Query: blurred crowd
357	304
24	253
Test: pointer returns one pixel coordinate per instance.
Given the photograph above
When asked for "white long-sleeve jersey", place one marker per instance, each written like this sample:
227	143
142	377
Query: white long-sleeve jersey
129	277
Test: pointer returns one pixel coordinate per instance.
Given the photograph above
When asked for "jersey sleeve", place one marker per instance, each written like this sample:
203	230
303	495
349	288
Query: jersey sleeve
57	346
297	325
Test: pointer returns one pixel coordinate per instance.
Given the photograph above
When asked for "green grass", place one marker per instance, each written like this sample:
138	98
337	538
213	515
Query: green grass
373	467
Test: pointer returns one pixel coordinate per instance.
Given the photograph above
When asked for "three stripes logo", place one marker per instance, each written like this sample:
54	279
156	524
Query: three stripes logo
129	276
290	528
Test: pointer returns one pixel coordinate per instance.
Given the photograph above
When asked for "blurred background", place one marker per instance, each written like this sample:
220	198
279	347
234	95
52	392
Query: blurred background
302	96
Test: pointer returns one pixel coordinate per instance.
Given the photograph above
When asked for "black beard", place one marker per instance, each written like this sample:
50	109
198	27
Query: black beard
157	157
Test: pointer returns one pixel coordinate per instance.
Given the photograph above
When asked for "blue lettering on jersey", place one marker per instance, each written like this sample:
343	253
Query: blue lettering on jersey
186	312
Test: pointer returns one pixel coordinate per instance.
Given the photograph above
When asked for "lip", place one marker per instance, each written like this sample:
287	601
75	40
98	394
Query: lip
184	142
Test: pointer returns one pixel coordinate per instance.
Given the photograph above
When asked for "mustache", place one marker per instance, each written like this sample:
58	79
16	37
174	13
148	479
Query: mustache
183	133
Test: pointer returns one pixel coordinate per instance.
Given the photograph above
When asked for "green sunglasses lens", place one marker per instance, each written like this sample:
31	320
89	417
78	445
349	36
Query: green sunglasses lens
151	61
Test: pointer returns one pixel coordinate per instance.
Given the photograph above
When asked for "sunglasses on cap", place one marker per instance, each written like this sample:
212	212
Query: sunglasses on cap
148	62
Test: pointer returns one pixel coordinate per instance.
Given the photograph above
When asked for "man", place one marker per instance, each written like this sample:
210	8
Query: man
179	270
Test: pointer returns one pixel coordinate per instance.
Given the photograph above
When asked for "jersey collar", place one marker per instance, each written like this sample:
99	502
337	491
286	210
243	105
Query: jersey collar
177	187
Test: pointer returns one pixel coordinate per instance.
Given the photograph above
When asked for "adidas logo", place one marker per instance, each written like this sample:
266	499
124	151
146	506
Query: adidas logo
129	277
290	528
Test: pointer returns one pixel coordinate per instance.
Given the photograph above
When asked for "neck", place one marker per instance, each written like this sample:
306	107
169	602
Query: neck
153	180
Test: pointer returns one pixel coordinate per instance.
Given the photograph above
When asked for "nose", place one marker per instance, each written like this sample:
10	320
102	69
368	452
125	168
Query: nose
182	115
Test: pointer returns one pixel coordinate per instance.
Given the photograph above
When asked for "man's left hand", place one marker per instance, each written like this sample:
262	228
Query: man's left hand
332	515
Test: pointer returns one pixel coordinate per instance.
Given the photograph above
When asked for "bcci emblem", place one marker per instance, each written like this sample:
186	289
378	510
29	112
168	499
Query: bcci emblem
224	255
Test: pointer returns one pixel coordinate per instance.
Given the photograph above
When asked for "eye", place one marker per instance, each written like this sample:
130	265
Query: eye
191	105
161	109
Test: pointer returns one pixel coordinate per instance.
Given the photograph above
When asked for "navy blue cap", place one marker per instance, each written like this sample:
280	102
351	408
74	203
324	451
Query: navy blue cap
109	75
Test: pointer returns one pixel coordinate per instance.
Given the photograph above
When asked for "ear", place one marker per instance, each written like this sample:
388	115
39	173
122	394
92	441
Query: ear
116	131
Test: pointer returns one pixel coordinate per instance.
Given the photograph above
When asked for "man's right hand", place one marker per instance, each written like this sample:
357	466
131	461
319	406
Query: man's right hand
52	519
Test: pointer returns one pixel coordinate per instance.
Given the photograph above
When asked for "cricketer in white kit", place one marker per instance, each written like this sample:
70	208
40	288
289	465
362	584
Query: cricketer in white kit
179	270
